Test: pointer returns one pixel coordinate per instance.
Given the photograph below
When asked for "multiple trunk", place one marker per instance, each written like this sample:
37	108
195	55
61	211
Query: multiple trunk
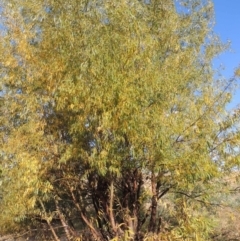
109	207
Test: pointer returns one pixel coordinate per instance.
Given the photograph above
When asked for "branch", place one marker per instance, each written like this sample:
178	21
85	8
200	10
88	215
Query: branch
112	220
48	222
163	192
84	218
198	200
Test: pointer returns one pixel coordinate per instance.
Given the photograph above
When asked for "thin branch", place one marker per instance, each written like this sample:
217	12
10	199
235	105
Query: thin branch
84	218
163	192
198	200
48	222
111	216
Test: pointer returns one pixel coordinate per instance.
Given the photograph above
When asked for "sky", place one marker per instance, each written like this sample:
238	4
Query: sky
227	26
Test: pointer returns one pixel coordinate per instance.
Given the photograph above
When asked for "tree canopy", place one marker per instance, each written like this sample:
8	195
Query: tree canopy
113	123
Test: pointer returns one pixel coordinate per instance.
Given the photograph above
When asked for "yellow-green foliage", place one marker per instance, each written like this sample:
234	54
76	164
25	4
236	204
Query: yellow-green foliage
96	91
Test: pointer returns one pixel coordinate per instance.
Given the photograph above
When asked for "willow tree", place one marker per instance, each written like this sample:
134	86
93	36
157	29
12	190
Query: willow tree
111	118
